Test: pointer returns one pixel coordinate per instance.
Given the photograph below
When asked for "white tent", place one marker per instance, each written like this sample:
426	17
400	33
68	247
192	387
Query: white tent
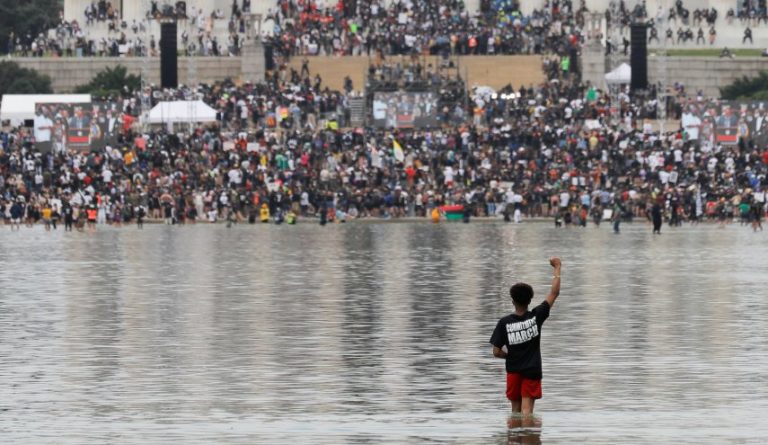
182	111
20	107
622	74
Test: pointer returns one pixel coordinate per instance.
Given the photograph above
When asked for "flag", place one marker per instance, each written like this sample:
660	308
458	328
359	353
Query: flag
79	137
726	136
398	150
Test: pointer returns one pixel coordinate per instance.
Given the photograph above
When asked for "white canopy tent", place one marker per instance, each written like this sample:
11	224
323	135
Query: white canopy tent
181	112
617	80
17	108
621	75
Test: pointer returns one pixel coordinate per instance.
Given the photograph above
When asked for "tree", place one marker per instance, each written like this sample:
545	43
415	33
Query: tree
17	80
27	17
755	88
111	82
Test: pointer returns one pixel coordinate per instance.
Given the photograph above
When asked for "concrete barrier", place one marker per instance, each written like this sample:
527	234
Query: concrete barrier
696	73
708	74
494	71
68	73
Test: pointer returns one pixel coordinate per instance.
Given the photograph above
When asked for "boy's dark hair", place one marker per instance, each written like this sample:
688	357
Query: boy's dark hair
521	293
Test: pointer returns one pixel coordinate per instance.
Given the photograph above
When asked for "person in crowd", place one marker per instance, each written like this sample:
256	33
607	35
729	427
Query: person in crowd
747	36
656	218
288	143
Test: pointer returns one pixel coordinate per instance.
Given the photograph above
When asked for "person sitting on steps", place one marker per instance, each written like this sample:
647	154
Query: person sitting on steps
726	53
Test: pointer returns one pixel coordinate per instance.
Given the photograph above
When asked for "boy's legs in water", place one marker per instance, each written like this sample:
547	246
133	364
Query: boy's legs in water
524	406
527	407
522	414
522	394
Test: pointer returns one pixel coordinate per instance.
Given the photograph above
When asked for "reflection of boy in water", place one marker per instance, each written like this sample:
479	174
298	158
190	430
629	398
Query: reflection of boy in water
517	340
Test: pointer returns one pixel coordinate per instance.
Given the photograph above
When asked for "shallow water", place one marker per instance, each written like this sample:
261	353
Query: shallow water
378	333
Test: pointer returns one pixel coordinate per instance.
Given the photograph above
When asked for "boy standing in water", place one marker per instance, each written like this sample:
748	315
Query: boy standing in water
517	339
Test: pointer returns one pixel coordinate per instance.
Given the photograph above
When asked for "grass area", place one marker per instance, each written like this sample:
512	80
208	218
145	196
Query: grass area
709	52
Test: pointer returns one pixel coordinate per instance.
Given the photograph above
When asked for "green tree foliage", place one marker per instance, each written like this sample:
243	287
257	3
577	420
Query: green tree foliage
112	82
745	88
17	80
26	17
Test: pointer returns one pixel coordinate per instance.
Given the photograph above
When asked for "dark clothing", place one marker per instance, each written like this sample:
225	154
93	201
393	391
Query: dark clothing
17	211
656	217
618	213
522	337
140	217
323	213
68	217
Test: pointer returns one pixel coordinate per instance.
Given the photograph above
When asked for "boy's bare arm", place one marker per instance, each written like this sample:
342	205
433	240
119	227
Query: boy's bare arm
499	353
555	291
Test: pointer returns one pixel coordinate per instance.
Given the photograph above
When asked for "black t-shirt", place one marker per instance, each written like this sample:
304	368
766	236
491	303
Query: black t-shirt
522	337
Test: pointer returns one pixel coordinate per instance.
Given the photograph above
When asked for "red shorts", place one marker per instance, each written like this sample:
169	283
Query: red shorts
519	387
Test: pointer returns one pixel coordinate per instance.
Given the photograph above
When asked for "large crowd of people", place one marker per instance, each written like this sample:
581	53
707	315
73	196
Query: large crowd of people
129	38
376	27
348	27
370	27
285	149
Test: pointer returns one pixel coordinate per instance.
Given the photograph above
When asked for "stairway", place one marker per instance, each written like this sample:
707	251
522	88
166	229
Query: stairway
98	30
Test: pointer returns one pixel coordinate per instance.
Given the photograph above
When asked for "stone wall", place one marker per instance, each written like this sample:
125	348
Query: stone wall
593	65
696	73
494	71
707	73
67	73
